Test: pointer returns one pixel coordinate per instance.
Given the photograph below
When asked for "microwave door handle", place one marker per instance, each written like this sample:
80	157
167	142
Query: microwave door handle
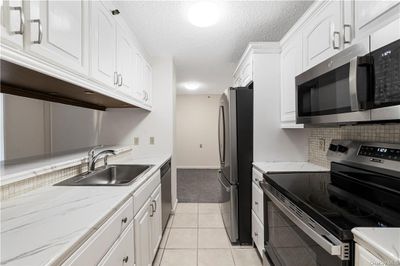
354	103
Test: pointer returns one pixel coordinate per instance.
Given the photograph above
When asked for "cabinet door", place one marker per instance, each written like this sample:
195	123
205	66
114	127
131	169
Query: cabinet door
12	22
103	44
156	224
364	258
257	201
138	77
58	32
148	83
322	34
257	233
142	236
291	66
125	66
122	252
367	13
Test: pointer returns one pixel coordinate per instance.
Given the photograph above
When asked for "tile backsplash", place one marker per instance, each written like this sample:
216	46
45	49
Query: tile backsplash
389	133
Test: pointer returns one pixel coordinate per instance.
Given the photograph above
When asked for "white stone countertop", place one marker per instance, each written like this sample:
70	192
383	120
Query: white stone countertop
45	226
19	169
382	242
271	167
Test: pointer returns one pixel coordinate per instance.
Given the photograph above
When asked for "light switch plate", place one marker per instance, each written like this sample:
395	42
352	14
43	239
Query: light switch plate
322	144
136	140
152	140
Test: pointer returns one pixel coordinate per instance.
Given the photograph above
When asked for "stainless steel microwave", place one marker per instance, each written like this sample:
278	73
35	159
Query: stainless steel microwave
353	86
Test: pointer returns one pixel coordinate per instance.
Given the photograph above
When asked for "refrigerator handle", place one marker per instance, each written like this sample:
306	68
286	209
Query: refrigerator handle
221	138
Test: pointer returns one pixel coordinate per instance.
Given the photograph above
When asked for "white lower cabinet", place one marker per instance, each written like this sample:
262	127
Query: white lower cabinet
364	258
122	252
142	235
257	232
148	229
99	244
257	213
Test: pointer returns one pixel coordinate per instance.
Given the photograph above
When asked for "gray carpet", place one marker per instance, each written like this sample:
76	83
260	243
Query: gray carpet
198	185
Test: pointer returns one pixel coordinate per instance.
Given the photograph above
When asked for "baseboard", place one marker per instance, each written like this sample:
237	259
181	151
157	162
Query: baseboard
174	207
199	167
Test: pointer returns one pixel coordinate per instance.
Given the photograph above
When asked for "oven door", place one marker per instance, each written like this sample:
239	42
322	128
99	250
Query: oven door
336	90
289	241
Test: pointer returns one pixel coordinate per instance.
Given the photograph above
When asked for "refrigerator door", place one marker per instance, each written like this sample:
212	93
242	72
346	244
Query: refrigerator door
229	207
227	135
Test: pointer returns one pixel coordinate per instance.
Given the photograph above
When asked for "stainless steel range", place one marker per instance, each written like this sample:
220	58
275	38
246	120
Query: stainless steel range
309	216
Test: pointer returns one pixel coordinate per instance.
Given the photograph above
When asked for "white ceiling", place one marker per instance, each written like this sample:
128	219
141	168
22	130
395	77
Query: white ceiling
208	55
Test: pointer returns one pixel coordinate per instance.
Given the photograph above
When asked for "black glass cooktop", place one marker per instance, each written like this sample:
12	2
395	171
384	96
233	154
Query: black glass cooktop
344	198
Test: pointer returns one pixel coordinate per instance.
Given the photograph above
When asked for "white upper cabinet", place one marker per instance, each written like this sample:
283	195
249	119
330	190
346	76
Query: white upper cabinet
12	22
58	32
103	44
291	66
125	61
322	35
371	15
148	83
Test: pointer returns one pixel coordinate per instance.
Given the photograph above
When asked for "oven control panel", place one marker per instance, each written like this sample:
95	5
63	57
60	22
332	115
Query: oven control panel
380	152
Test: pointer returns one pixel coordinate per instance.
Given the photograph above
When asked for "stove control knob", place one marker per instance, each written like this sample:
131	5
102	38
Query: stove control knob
342	149
333	147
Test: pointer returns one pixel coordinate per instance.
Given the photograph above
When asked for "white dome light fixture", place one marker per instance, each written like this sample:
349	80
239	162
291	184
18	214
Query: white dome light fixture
204	14
192	86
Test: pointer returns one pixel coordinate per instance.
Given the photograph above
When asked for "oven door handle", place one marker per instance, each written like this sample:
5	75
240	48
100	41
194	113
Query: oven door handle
332	246
227	188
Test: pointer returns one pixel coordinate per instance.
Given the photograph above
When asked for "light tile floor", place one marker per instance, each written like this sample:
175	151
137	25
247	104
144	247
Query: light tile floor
195	236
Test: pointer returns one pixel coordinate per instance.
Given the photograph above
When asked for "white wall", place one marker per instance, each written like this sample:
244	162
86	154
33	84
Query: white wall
271	143
197	124
121	126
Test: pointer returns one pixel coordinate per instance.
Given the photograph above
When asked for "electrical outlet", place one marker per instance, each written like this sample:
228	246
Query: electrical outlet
322	144
151	141
136	140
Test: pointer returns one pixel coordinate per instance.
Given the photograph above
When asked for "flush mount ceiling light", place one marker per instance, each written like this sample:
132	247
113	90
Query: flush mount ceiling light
192	86
203	14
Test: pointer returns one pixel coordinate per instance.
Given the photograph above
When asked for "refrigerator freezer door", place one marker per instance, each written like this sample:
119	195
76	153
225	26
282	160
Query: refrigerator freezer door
229	208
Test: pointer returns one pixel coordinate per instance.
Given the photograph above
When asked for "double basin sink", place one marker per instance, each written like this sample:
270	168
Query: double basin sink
111	175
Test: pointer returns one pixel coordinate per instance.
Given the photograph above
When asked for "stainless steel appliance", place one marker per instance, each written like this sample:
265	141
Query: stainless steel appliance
235	136
309	216
166	200
355	85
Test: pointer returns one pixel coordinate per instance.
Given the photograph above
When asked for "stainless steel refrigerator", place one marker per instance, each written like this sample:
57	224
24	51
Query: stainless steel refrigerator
235	136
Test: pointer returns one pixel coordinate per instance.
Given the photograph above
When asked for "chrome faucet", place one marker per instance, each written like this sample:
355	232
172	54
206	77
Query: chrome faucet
93	158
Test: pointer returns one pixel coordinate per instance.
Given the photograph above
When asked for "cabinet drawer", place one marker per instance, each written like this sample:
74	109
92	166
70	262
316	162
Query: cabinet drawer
257	201
257	176
91	252
122	252
257	232
144	192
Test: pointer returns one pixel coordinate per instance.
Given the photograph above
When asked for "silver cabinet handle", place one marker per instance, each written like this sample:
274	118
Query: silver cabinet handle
21	19
124	220
255	234
336	37
144	95
152	210
115	78
256	202
125	259
40	33
347	33
155	205
119	80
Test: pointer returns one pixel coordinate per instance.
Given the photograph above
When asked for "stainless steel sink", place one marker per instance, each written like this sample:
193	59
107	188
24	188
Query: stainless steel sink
112	175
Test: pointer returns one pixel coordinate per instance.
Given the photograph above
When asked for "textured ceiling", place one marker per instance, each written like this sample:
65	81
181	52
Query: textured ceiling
208	55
